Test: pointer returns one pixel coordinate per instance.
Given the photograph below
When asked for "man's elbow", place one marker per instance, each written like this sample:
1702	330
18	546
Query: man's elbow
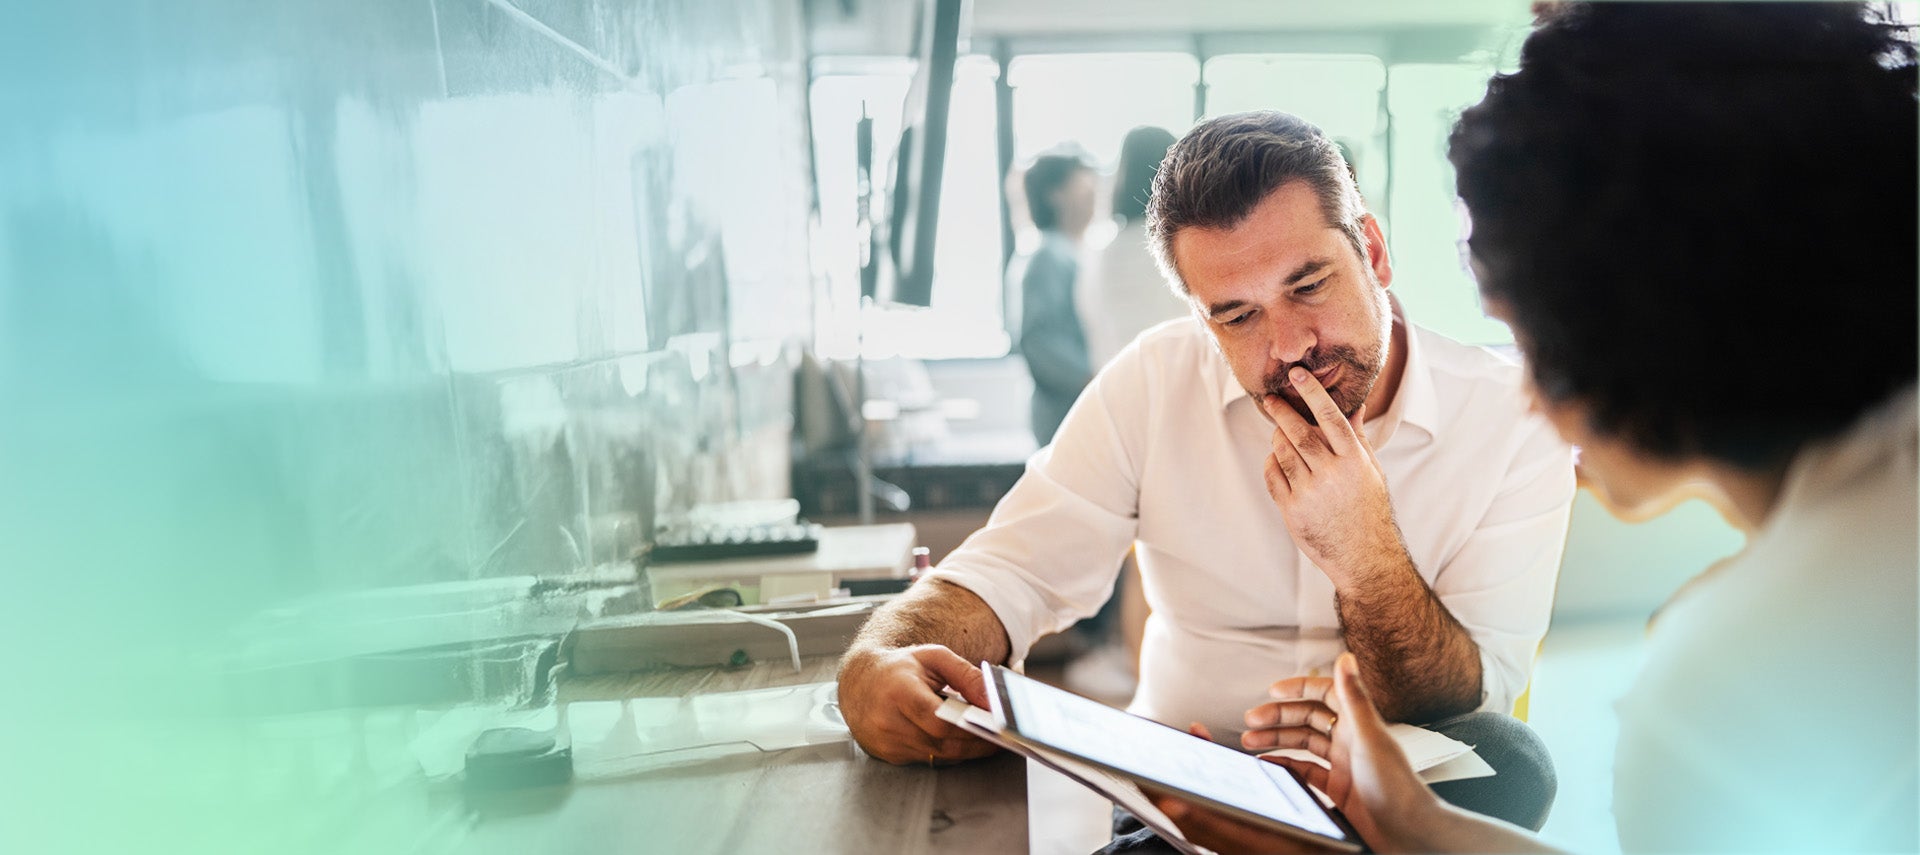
1426	704
1424	711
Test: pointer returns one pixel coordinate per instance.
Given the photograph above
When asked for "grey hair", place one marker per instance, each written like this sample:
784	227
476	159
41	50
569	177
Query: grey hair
1221	170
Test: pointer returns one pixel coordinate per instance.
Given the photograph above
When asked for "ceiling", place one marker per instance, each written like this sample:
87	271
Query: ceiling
1048	17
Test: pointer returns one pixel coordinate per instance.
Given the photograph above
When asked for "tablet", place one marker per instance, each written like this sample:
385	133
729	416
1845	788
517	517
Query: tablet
1163	758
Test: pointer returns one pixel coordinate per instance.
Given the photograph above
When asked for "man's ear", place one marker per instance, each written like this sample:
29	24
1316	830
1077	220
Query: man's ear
1377	250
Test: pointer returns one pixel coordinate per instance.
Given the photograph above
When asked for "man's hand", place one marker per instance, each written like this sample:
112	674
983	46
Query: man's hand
1329	488
1368	777
888	698
1328	485
1300	716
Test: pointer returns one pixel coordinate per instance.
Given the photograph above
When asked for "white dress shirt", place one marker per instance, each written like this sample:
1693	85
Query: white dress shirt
1166	448
1777	710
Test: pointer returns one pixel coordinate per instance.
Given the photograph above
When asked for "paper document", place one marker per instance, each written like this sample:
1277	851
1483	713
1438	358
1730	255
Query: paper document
1437	757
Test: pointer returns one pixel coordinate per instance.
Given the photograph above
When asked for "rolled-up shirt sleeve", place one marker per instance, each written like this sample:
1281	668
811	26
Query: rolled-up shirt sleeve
1050	553
1500	584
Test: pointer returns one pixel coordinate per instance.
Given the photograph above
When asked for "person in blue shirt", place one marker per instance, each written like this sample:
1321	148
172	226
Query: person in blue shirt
1060	198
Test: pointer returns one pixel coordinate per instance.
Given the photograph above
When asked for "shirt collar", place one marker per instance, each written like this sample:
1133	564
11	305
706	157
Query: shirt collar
1414	404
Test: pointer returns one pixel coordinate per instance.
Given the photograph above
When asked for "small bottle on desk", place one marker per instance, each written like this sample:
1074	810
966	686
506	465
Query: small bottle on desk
922	563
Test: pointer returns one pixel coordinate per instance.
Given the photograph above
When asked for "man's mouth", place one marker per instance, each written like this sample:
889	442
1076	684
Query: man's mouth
1327	377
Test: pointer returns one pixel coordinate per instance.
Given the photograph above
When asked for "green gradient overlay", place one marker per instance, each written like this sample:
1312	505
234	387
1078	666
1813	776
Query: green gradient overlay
326	331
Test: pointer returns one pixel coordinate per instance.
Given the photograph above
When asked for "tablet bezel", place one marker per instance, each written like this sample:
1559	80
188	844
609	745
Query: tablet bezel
1003	715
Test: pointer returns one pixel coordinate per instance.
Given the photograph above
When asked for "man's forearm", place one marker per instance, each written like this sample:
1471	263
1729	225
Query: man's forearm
890	679
935	612
1419	661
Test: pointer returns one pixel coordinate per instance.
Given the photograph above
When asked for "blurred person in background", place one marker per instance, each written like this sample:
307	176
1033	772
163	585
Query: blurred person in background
1122	291
1059	188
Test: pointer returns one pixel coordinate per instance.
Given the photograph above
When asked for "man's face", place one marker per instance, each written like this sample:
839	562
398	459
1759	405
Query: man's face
1283	288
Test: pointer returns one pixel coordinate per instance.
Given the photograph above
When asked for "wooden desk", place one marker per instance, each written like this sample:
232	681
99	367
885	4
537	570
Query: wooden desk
828	798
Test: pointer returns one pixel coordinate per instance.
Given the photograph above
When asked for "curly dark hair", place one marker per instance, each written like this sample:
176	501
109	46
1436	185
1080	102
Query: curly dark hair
1700	218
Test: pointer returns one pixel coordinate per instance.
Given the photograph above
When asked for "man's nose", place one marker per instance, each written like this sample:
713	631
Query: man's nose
1289	342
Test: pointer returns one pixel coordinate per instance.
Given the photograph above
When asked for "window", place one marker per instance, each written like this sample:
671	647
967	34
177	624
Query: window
1089	102
1430	280
1339	93
965	318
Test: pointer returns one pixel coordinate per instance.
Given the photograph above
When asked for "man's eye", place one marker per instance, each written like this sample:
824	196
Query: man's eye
1309	289
1237	319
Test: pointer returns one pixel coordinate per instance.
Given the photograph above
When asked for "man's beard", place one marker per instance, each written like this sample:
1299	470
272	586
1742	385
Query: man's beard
1355	382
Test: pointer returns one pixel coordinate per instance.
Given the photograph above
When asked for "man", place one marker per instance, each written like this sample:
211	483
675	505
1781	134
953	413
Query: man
1059	190
1250	453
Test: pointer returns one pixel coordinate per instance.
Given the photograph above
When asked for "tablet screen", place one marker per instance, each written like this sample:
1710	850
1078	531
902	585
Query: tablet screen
1152	751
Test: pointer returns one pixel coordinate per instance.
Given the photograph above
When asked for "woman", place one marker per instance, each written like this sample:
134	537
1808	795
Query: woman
1123	292
1699	221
